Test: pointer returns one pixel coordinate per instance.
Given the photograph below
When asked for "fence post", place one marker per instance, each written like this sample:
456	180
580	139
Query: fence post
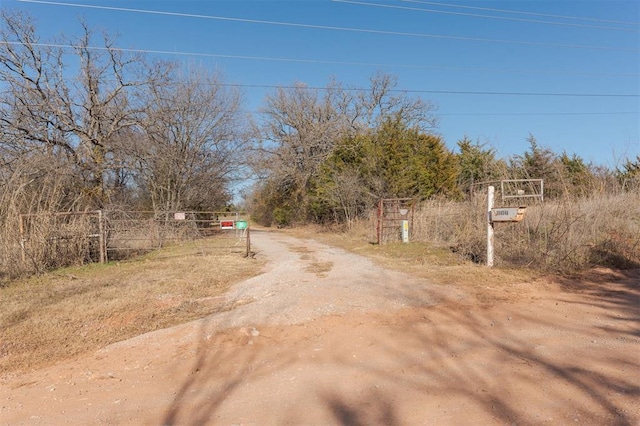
248	240
101	238
379	224
490	193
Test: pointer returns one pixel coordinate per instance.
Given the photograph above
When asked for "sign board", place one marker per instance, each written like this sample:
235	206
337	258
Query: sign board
507	214
179	216
405	231
241	224
226	224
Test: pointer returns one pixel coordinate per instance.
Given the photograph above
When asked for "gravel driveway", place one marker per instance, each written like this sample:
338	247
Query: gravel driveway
306	279
327	337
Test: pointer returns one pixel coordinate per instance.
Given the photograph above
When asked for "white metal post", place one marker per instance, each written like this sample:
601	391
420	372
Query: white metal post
490	194
405	231
102	241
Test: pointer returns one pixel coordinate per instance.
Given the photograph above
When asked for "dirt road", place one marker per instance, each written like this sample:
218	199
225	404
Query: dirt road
328	337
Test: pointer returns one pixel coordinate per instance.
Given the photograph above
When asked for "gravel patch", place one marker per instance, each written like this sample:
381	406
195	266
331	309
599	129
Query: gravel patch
304	280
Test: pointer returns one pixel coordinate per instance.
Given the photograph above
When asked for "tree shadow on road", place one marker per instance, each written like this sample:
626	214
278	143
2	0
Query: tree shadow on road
616	291
521	363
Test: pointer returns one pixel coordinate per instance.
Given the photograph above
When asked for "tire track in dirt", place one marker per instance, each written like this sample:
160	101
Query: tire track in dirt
305	279
327	337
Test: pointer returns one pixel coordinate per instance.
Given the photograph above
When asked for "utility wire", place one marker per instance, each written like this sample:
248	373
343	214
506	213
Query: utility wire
547	15
333	28
500	114
562	113
328	62
475	15
444	92
305	87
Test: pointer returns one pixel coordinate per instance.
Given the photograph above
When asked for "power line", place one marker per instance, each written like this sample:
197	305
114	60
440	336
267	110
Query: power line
333	28
305	87
526	114
548	15
563	113
445	92
506	114
475	15
329	62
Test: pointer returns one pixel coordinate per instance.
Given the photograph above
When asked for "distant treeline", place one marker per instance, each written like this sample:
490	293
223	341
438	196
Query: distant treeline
84	128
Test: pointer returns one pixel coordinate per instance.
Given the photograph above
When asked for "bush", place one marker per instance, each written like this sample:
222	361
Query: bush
282	216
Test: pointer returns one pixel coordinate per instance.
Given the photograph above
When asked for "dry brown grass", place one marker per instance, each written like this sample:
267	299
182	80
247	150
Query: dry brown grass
559	237
449	239
563	235
72	311
568	236
434	263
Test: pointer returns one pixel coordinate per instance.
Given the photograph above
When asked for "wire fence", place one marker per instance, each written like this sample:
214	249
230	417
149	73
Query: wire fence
59	239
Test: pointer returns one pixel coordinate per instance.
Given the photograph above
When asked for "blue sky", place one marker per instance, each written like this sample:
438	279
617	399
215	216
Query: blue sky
529	55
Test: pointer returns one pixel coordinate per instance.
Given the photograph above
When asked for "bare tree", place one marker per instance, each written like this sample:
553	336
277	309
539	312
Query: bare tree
43	106
299	132
302	126
370	108
194	142
65	106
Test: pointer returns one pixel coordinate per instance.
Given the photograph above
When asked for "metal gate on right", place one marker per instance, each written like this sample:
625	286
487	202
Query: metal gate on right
391	214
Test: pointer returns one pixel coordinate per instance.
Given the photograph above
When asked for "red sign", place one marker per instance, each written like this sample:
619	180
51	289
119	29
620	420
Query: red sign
226	224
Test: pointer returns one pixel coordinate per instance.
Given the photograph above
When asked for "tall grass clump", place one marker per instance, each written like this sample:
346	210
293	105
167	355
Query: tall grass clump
36	194
562	235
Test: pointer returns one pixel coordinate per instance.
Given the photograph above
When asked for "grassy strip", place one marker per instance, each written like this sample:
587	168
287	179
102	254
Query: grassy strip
72	311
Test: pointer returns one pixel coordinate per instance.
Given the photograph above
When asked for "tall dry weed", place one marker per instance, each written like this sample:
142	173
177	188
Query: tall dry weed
562	235
35	189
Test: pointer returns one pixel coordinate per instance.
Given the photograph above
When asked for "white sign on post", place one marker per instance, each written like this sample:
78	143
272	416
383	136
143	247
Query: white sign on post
500	214
507	214
405	231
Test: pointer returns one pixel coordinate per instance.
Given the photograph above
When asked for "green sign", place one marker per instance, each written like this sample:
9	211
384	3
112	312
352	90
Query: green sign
241	224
